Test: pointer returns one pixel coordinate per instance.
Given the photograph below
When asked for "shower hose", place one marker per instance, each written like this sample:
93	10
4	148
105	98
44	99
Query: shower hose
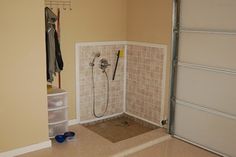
93	95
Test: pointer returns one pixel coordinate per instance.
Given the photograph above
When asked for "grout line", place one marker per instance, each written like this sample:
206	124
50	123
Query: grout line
125	77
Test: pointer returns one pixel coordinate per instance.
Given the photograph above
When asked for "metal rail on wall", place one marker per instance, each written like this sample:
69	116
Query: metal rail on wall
54	4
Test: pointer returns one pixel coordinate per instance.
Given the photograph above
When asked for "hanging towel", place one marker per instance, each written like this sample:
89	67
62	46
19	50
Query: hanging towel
53	51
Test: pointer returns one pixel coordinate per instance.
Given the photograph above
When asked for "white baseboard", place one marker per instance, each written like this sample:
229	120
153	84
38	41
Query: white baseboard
27	149
145	120
73	122
96	119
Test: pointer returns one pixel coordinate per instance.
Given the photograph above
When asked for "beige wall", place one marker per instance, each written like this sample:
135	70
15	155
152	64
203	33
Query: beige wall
106	20
150	21
23	104
23	112
99	20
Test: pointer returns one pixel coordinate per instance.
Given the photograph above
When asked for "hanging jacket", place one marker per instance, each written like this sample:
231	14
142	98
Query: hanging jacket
53	51
58	52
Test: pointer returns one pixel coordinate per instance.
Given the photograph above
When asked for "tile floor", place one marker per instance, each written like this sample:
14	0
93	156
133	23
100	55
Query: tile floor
173	148
120	128
90	144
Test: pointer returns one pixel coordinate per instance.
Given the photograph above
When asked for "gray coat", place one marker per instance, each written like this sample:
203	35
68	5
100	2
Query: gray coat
54	63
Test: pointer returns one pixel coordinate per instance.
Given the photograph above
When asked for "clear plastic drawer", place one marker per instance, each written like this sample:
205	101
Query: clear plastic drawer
55	101
57	115
56	129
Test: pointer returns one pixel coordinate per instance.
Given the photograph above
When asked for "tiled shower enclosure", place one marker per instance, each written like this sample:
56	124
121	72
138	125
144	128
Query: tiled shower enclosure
139	85
144	82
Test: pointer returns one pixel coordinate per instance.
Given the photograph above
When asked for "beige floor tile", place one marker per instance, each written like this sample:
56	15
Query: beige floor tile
173	148
90	144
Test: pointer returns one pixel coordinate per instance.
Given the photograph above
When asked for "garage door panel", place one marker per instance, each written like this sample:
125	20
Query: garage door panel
208	14
205	106
209	89
215	50
206	129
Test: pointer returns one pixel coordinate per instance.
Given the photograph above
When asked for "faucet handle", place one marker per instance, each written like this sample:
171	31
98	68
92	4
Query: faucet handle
104	64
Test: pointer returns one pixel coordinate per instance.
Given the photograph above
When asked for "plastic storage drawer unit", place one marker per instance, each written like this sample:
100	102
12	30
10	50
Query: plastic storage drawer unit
57	115
55	129
55	101
57	111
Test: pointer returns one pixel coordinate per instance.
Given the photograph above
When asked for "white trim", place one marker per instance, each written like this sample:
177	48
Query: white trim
102	118
145	120
163	72
55	123
146	44
205	109
142	146
198	145
102	43
56	94
73	122
207	68
27	149
163	91
125	77
77	91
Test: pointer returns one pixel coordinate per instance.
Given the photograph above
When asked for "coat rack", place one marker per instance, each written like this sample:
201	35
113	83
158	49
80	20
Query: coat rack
64	4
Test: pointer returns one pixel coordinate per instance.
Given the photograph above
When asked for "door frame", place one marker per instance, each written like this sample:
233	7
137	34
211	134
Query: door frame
174	63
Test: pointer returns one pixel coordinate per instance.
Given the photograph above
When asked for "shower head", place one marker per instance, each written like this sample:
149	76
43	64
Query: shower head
95	55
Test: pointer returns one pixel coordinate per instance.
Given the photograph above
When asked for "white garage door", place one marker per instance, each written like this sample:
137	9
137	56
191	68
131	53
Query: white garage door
205	104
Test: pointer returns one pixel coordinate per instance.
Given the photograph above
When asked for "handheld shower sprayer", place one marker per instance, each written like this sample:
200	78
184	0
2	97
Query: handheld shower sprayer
95	56
103	65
